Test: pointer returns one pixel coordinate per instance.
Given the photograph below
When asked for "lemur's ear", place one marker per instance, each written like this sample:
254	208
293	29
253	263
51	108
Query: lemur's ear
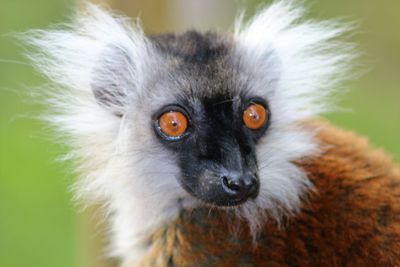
96	59
96	65
112	79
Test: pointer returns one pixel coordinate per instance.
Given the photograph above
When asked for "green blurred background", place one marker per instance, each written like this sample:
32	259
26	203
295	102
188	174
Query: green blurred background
39	225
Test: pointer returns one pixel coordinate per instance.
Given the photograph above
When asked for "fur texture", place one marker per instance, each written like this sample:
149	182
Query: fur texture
294	64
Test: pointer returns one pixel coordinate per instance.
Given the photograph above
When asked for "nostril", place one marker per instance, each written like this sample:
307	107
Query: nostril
230	183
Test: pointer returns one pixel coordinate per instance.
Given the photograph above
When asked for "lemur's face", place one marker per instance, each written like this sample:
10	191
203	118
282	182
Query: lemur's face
199	114
212	126
214	141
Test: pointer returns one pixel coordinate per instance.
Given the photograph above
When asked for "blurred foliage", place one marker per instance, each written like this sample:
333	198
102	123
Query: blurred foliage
38	225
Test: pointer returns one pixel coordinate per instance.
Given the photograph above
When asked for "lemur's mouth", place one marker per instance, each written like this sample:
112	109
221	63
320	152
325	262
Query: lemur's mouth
228	202
235	202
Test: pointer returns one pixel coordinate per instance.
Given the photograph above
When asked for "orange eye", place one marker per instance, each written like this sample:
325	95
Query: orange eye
254	116
173	123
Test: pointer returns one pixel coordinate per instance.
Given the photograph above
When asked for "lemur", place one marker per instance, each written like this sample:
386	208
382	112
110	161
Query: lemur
206	148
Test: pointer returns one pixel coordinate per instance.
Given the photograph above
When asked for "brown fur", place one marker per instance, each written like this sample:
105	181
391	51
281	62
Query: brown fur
352	220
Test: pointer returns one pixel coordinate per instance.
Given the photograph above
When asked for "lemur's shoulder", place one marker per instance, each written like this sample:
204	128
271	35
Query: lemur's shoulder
354	217
351	219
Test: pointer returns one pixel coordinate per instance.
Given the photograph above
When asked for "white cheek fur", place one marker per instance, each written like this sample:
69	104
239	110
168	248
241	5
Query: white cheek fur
119	161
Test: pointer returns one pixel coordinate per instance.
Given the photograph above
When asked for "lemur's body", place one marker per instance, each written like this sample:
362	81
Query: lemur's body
202	148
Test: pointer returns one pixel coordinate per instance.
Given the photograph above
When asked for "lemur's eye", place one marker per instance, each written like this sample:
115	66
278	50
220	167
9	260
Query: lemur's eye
255	116
173	123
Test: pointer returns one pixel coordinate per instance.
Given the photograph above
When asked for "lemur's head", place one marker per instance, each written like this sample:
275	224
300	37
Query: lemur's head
202	112
165	122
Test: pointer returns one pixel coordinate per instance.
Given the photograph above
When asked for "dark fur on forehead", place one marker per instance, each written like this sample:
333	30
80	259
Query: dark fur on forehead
201	64
193	47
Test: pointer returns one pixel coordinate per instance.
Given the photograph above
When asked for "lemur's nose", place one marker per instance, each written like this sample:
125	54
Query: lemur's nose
240	186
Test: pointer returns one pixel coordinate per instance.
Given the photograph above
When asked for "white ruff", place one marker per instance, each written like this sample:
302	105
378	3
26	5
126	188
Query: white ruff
293	63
